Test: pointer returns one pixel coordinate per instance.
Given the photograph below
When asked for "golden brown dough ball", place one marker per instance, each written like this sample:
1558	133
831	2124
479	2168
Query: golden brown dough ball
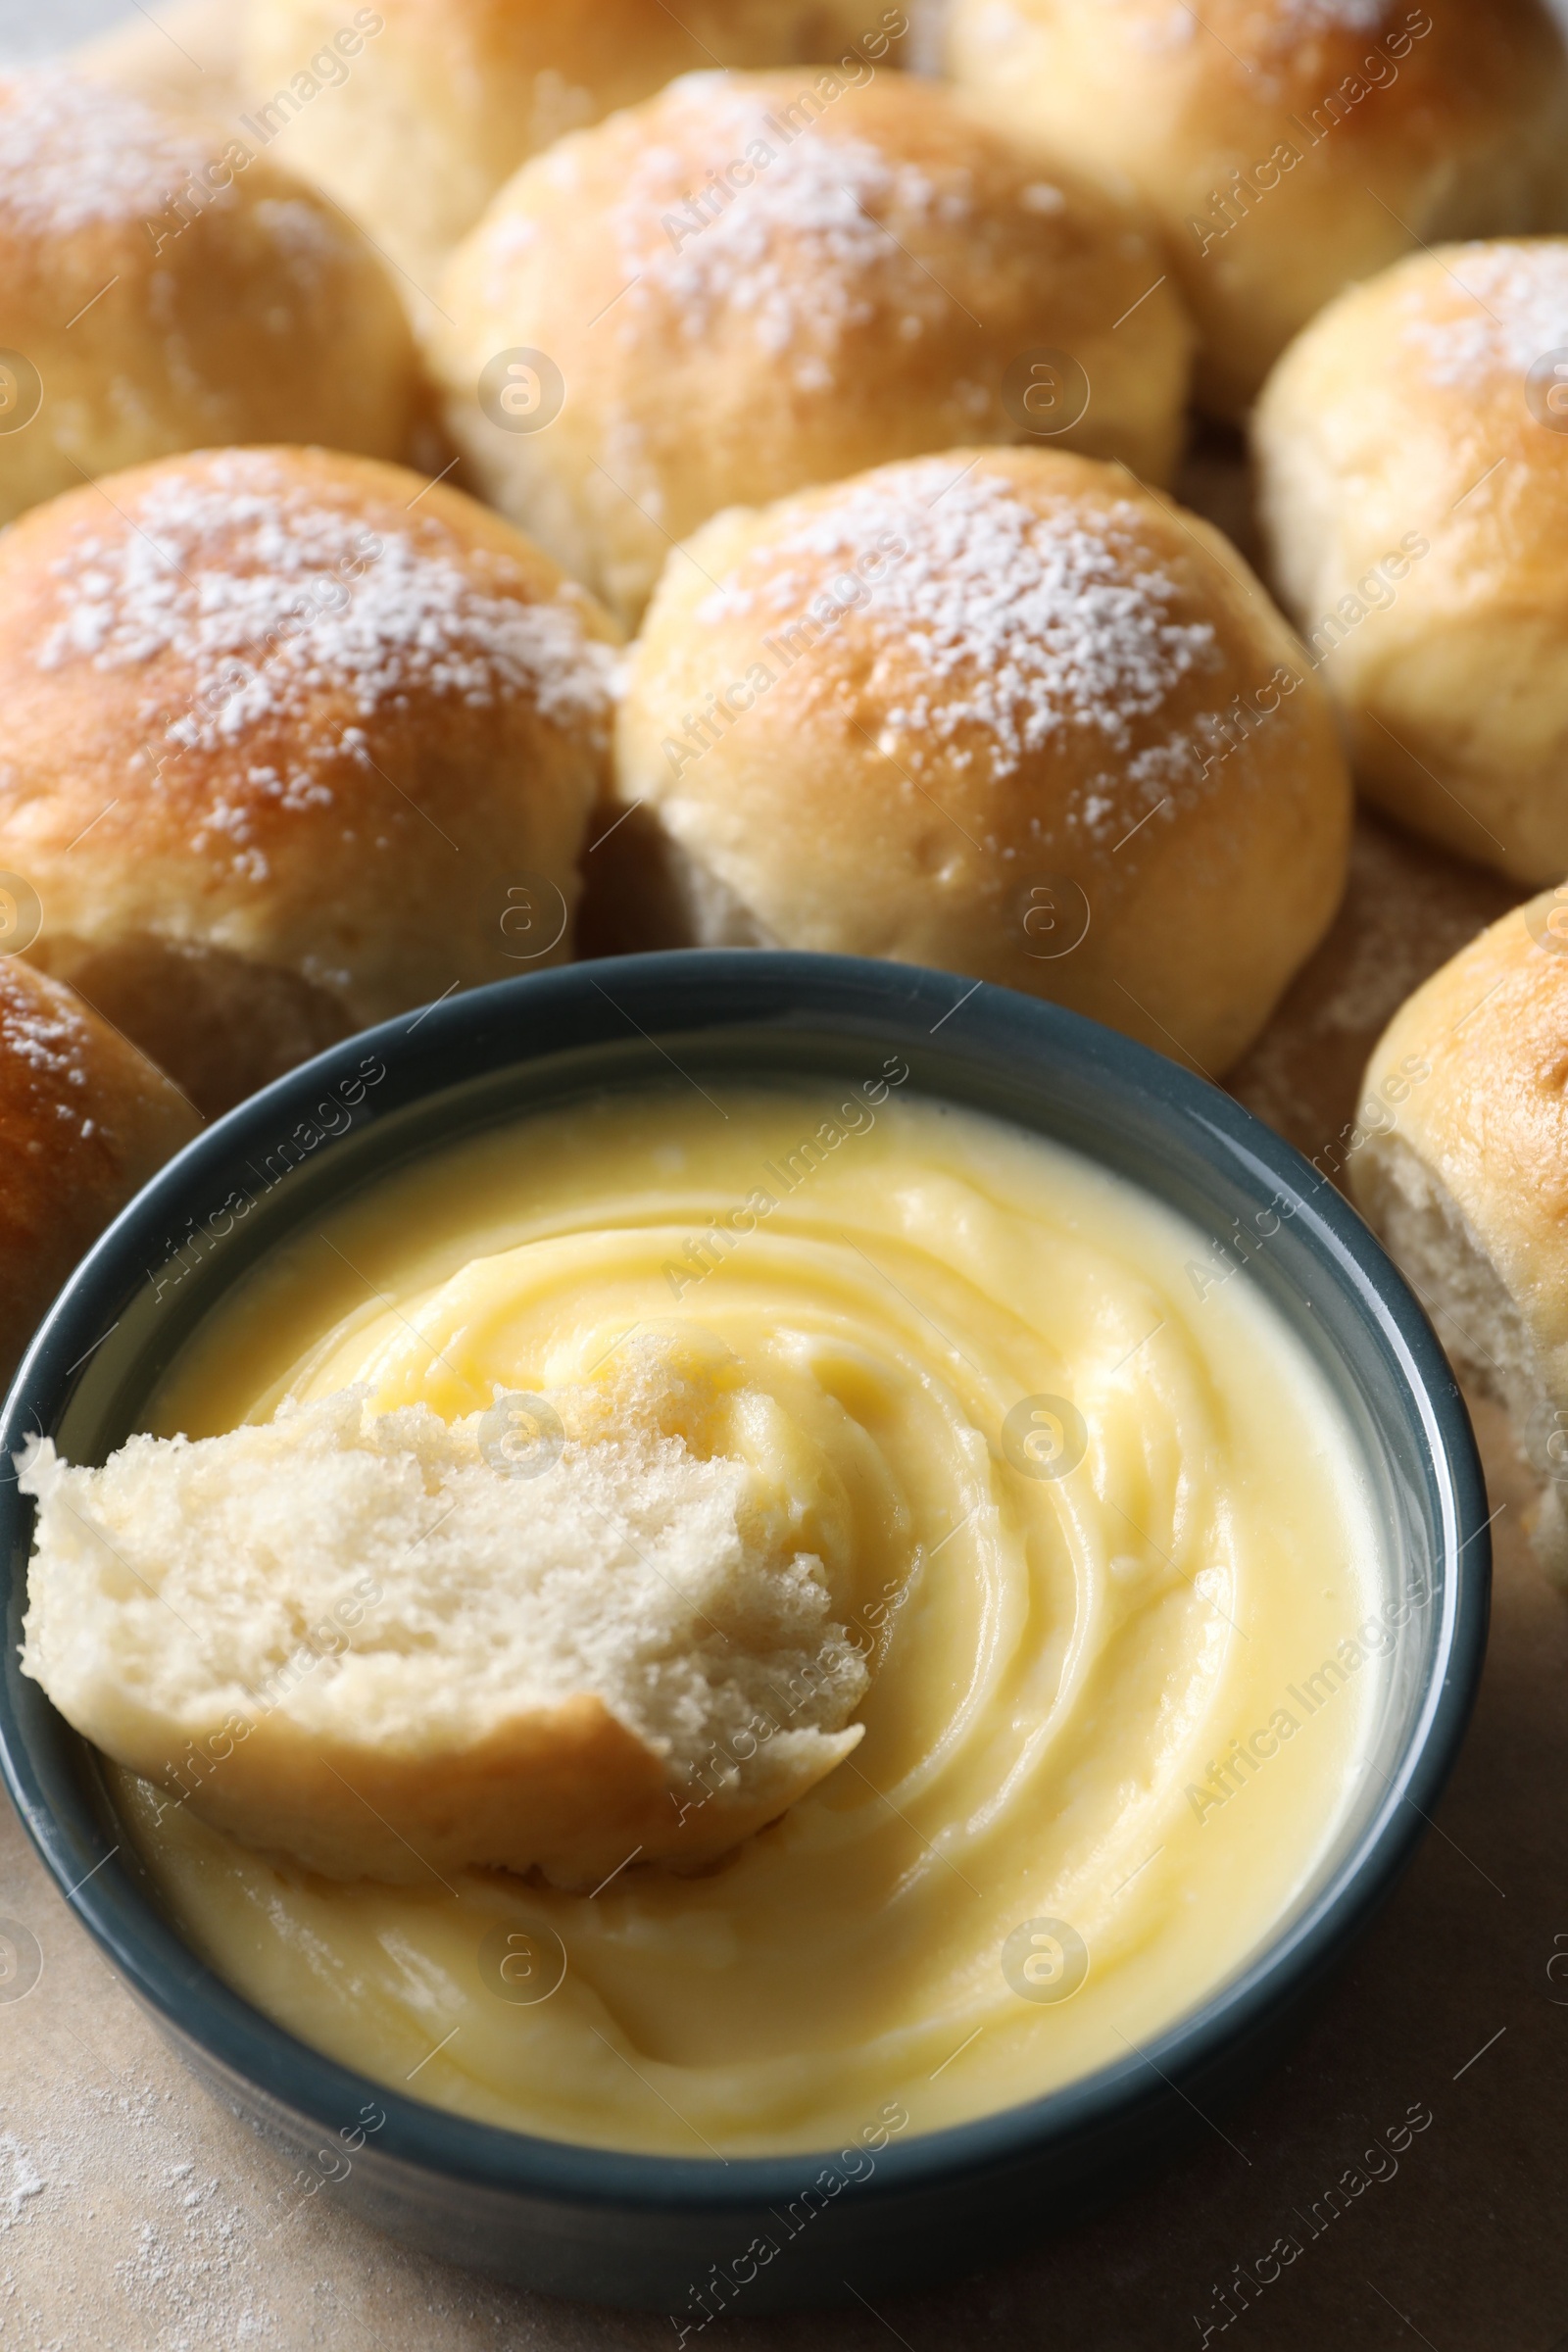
294	741
188	60
756	282
1413	461
1288	147
162	287
84	1121
1461	1164
413	113
1002	711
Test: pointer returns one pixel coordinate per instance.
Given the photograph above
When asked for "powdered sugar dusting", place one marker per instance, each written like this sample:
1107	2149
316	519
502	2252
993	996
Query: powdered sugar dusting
1029	624
1518	314
797	234
74	153
1297	18
269	593
50	1042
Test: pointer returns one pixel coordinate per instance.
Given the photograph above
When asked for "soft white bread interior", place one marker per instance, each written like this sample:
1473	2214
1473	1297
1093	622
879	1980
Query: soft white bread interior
412	114
1412	451
167	286
755	282
356	1642
294	741
1005	712
1286	147
84	1121
1461	1165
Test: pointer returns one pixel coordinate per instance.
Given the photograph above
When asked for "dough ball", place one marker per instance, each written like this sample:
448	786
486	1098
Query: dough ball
756	282
165	286
293	742
1002	711
1413	460
1288	147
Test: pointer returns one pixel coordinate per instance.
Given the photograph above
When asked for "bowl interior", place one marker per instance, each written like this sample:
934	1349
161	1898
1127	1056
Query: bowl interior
690	1021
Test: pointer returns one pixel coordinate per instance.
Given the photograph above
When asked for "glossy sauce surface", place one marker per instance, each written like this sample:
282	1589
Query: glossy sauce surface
1106	1521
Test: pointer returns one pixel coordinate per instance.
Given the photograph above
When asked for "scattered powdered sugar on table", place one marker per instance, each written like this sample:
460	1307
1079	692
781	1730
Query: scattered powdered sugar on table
795	231
1519	312
20	2181
1027	622
192	2272
268	593
75	152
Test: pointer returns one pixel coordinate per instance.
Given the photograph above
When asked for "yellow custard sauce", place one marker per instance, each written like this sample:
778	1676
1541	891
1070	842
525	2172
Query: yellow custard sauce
1106	1520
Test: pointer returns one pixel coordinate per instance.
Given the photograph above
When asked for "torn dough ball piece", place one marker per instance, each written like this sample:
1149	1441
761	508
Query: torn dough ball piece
167	287
293	742
1412	454
412	114
744	288
351	1640
1286	147
1002	711
1462	1169
84	1121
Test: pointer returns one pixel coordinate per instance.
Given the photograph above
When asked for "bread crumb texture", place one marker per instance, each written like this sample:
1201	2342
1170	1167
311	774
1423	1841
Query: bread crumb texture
514	1670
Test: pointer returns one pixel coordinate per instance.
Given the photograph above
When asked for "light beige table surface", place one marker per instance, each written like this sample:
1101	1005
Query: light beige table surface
134	2213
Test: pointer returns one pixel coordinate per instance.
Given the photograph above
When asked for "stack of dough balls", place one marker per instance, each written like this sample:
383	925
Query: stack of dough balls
1466	1177
165	288
84	1121
755	282
1413	453
435	103
294	741
1004	711
1288	147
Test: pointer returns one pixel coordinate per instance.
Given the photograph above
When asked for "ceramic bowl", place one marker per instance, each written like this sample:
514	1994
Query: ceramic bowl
689	2236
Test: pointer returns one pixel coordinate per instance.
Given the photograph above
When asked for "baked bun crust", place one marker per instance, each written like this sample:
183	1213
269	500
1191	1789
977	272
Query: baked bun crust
168	288
84	1121
1463	1171
872	291
188	62
956	711
1288	147
294	741
1401	426
438	102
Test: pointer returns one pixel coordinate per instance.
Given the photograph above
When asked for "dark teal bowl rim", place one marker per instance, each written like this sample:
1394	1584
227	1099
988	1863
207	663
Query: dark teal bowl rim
764	993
